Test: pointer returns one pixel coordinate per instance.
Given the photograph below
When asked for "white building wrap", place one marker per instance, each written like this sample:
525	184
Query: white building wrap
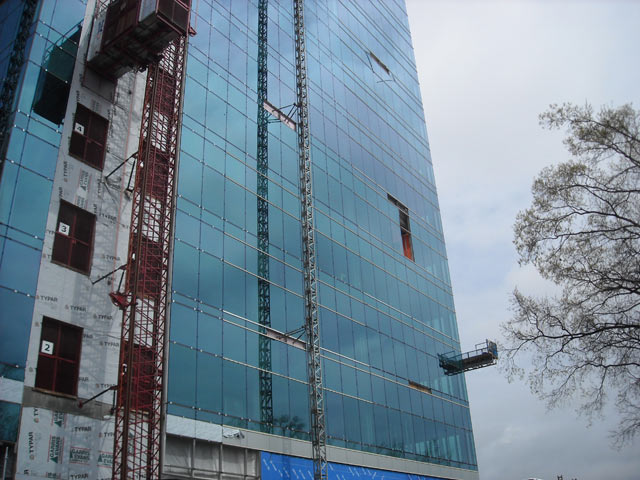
64	446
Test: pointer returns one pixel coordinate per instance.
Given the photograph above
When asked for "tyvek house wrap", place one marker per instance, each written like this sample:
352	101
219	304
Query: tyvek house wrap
64	446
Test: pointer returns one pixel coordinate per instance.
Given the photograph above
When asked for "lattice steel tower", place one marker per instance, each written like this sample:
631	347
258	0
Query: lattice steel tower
316	401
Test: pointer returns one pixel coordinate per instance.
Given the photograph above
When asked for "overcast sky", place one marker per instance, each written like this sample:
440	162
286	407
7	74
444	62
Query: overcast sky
487	69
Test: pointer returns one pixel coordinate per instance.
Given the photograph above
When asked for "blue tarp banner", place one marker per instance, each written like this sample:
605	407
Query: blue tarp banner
279	467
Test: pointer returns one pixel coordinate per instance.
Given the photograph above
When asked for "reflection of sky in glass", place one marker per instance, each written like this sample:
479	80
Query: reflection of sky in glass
383	317
27	176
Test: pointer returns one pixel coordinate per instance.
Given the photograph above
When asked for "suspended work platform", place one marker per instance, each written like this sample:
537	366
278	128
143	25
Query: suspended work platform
484	355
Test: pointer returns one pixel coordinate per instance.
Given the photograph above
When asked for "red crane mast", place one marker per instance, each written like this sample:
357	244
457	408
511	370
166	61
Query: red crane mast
142	350
126	35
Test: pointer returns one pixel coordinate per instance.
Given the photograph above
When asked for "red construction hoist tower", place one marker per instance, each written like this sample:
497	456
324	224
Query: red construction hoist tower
140	386
153	35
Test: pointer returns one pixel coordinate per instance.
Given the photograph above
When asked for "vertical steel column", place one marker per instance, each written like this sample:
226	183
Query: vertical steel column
264	297
314	366
140	389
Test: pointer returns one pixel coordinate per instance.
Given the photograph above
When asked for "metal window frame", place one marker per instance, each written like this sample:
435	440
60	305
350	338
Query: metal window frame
89	140
75	209
60	330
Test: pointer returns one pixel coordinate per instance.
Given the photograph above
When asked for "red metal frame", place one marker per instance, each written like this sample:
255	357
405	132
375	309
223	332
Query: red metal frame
89	147
66	246
140	383
59	359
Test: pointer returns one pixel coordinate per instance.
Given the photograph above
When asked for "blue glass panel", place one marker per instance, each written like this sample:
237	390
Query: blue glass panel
209	382
253	393
184	322
234	203
187	228
351	419
235	391
40	156
297	363
331	372
67	14
234	344
31	203
213	191
184	280
381	422
9	420
190	176
335	415
299	405
182	375
281	411
395	429
7	188
19	267
16	142
210	280
329	330
15	326
194	93
348	374
407	432
234	290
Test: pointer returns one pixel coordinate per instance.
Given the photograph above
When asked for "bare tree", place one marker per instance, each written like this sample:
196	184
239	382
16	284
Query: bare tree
582	232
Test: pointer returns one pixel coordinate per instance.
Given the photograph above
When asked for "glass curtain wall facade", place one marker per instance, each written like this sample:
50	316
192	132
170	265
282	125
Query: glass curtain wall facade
386	305
29	158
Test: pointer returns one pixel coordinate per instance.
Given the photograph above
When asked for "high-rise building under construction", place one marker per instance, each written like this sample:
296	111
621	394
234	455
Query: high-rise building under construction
221	253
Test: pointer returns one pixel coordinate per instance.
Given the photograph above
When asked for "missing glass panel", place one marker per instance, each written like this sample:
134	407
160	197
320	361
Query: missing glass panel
379	63
54	80
405	228
419	387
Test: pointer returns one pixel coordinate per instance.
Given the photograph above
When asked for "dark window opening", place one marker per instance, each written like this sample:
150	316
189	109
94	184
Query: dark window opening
419	387
89	137
73	242
59	357
54	80
380	70
379	63
405	228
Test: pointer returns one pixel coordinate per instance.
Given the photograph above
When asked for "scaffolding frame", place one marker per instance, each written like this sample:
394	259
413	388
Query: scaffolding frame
312	328
140	399
264	294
